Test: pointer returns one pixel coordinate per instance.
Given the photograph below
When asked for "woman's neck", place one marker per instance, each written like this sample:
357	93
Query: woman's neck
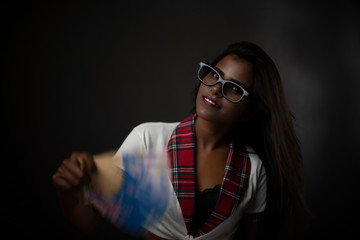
210	136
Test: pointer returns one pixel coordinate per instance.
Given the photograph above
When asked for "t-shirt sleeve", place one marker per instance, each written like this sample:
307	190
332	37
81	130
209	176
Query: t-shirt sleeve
258	201
133	143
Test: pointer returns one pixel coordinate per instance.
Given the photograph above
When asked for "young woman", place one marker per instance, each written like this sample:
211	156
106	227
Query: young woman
235	164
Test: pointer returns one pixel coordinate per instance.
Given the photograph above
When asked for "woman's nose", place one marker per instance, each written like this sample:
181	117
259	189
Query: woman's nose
216	90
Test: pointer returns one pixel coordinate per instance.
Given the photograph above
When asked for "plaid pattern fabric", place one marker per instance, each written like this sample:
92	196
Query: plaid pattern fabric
181	150
253	218
181	153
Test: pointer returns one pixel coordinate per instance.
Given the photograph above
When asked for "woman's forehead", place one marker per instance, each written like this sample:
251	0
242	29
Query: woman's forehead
235	68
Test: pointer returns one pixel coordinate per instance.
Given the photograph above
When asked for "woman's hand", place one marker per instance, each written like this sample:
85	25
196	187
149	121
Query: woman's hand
69	181
73	173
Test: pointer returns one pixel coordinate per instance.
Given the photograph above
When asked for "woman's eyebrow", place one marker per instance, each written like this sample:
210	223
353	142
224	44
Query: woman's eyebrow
233	80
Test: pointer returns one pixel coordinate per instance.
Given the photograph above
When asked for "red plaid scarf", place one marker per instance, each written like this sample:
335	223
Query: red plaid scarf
181	152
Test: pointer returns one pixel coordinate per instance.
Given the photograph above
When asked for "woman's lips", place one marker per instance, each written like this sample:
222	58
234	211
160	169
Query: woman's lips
210	102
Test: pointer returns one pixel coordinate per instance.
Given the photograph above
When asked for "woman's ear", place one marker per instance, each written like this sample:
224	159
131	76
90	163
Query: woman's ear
250	113
247	117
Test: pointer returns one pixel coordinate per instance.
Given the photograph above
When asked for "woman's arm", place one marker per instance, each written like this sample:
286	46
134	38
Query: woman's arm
249	226
69	181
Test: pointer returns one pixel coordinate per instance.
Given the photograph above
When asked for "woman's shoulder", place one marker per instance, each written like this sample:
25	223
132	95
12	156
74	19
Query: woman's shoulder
148	135
252	154
255	160
155	133
156	126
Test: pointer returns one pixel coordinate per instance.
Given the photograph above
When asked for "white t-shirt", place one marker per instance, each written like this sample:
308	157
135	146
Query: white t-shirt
154	136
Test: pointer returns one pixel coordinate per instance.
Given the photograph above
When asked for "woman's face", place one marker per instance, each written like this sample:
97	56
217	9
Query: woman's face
212	106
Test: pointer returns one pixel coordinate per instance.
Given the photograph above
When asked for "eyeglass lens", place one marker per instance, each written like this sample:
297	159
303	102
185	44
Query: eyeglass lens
210	77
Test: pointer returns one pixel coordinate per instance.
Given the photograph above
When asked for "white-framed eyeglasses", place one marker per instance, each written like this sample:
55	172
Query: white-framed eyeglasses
230	90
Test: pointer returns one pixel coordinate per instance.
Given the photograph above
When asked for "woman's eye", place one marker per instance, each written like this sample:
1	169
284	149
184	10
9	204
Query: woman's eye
215	75
236	90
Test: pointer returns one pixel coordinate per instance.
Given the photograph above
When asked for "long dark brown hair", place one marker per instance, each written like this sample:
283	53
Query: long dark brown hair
272	134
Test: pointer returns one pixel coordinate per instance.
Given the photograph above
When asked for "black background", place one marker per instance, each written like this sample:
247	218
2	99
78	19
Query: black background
80	75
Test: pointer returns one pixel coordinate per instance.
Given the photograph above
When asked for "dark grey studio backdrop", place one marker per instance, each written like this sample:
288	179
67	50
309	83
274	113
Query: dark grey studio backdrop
79	76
